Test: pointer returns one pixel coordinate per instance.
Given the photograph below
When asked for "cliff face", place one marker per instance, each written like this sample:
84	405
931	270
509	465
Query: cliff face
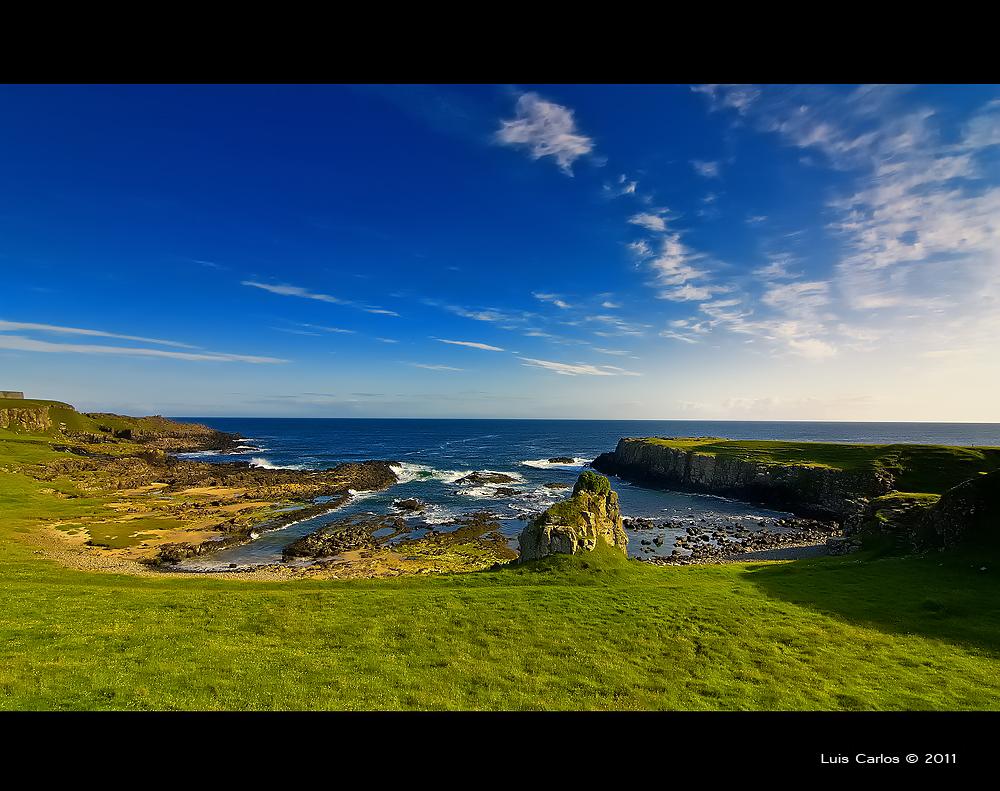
970	510
824	492
576	525
34	420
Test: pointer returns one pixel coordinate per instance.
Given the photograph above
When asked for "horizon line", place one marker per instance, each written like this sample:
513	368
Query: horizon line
589	420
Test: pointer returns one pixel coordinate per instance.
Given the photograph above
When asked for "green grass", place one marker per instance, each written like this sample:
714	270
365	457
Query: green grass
591	632
917	468
594	634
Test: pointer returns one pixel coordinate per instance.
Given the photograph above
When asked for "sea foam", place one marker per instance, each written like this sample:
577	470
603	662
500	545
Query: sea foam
260	461
545	464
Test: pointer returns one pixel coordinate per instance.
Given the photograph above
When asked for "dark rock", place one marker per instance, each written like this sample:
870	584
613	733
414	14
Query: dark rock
480	478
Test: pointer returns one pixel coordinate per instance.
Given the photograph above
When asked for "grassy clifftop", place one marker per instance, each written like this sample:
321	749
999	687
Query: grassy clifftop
915	468
43	417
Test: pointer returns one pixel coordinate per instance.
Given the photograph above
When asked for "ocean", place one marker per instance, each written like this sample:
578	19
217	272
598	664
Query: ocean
434	454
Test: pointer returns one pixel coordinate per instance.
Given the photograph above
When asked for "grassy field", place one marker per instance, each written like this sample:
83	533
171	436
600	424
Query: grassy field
890	633
859	632
918	468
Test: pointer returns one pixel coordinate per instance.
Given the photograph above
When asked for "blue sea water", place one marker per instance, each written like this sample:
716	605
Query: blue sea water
434	454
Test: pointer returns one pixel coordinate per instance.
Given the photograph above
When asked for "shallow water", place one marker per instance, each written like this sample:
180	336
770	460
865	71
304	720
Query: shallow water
434	454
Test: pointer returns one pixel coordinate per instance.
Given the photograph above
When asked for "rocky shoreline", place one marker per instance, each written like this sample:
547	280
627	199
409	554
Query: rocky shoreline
727	539
327	489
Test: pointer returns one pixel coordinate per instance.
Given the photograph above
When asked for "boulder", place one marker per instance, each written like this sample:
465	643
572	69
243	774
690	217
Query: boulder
592	515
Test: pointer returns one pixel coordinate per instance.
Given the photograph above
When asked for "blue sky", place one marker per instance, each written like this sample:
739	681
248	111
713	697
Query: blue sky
684	251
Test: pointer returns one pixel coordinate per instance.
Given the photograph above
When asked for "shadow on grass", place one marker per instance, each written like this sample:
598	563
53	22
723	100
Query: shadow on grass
942	596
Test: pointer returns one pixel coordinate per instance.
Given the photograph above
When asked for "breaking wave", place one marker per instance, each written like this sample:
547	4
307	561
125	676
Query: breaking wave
545	464
260	461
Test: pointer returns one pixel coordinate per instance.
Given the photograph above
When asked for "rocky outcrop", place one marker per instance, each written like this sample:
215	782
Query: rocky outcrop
816	491
158	432
969	511
591	516
907	522
32	420
485	477
344	535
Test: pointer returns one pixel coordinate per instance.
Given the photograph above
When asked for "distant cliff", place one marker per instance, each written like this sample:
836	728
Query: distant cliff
61	421
809	489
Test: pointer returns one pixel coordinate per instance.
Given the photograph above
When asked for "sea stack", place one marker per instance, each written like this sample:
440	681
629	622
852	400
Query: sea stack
577	525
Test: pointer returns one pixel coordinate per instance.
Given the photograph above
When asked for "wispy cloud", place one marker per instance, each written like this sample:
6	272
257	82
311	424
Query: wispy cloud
650	221
737	97
614	352
709	170
472	345
293	331
623	186
432	367
577	369
24	344
295	291
24	326
551	298
324	328
285	290
546	129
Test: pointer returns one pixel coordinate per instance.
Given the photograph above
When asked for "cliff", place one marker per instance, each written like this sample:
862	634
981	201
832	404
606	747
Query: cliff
809	489
61	421
969	511
577	525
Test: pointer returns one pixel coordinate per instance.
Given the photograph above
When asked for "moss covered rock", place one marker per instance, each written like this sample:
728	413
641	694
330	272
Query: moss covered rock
589	518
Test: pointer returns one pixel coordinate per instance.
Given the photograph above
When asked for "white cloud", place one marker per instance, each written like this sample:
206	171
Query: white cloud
551	298
649	221
812	348
678	336
9	326
983	129
777	269
797	296
21	343
472	345
577	369
295	291
737	97
547	130
688	292
640	249
381	311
